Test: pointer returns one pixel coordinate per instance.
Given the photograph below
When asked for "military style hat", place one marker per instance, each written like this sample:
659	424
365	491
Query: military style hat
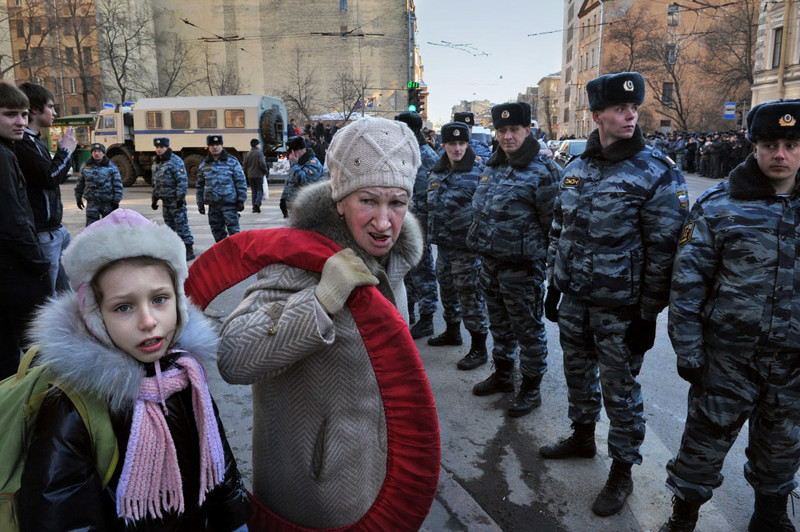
467	117
98	146
614	89
511	114
774	120
413	120
213	139
161	142
295	143
454	131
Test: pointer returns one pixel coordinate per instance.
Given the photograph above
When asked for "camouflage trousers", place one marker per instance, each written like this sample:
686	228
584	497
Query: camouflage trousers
739	385
598	364
177	220
514	293
457	273
224	221
421	285
95	211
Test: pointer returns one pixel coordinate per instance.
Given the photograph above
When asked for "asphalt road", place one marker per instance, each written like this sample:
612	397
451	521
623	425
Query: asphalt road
492	456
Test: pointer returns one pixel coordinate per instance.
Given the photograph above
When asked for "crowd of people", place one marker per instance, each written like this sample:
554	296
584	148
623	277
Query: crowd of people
325	334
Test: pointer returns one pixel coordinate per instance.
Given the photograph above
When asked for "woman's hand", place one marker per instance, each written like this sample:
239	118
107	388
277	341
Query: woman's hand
342	272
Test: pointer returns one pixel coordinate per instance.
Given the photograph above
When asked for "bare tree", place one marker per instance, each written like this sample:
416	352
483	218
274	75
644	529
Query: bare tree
630	33
34	24
7	61
221	79
81	27
347	92
178	72
299	93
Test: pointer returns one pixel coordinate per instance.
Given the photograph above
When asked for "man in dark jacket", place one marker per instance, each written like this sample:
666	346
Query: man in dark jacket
256	169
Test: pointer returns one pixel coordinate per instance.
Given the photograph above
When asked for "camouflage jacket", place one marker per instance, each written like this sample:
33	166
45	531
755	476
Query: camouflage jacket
305	171
220	182
99	182
449	202
481	150
737	273
512	208
617	220
169	179
419	200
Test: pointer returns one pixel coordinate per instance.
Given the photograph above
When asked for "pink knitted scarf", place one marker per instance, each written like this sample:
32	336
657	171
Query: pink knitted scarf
151	479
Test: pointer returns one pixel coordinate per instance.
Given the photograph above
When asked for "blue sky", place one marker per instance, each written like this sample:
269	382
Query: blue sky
499	28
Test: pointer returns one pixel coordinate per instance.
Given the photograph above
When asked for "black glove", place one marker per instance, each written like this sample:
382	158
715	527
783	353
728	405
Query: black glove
283	208
240	206
79	202
114	206
693	376
551	304
201	209
154	204
641	335
179	203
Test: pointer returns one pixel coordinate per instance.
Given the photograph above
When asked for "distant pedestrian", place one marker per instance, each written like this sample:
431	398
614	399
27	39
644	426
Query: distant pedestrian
100	184
222	186
170	185
304	170
256	170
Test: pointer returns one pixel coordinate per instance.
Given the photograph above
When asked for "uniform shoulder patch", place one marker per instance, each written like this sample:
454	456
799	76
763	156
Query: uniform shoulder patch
484	178
686	234
435	184
683	199
571	182
661	156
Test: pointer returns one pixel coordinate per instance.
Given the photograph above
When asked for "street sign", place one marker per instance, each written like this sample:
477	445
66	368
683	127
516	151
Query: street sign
729	112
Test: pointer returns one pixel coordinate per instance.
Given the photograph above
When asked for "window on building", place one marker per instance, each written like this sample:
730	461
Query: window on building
570	12
594	23
569	33
666	124
554	120
234	117
569	53
23	56
207	119
666	92
17	3
673	15
566	94
69	55
343	5
20	28
67	25
179	119
591	56
74	110
568	74
36	26
87	55
670	54
72	85
777	40
37	56
153	120
566	116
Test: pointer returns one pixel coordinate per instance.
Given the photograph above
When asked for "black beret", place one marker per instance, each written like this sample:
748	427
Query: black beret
453	131
511	114
614	89
98	146
161	142
467	117
295	143
254	143
774	120
413	120
213	139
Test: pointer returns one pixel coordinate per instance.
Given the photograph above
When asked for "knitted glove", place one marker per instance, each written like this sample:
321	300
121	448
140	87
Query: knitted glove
201	209
240	206
342	272
551	304
154	204
79	202
641	335
283	208
693	376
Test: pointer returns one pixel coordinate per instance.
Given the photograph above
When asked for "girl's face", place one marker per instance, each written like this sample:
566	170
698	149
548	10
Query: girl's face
374	216
139	309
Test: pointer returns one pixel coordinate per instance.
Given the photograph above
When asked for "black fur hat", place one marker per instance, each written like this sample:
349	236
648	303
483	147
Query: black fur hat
454	131
774	120
466	117
213	139
614	89
413	120
98	146
161	142
511	114
295	143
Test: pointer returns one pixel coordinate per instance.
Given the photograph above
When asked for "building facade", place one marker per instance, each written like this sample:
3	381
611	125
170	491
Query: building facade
777	63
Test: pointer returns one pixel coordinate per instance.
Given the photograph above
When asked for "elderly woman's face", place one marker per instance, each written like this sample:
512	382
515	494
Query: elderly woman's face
374	216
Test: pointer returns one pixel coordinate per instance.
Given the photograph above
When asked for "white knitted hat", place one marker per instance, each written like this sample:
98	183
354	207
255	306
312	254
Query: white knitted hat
123	233
372	152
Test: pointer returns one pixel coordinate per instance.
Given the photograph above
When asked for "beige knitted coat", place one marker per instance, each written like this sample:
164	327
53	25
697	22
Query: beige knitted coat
319	433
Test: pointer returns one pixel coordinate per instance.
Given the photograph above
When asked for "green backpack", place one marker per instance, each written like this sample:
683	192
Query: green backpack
21	397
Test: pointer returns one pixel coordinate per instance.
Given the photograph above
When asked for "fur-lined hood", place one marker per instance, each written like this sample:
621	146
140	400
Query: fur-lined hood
464	165
82	362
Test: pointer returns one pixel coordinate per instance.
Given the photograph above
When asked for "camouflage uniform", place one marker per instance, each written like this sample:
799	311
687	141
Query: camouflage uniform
512	212
617	220
222	186
449	206
305	171
421	280
735	312
170	185
100	184
481	150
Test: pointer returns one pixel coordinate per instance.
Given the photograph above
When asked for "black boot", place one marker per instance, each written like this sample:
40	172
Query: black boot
451	336
502	380
189	252
477	355
528	397
424	327
256	209
579	445
683	518
619	485
770	514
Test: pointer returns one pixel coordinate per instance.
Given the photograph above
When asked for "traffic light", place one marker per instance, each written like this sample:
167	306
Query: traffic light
413	99
421	104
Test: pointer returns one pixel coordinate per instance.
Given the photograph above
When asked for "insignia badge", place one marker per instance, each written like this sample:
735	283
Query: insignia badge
571	182
484	178
456	133
686	235
435	184
787	120
683	199
504	114
628	86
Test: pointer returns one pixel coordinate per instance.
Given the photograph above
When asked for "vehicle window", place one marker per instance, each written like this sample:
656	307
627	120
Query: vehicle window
234	117
109	122
153	119
82	134
207	119
179	119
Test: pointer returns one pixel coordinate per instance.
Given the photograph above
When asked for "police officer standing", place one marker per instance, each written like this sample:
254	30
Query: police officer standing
734	318
256	169
512	213
169	185
619	214
100	184
451	185
304	169
481	150
222	186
